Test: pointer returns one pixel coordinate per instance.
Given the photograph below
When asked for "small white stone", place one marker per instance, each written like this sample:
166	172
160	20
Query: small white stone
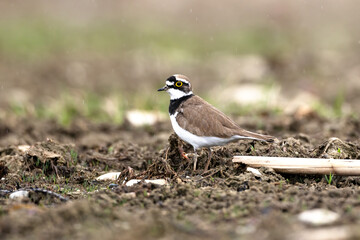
318	217
109	176
132	182
253	171
23	148
129	195
155	181
142	118
18	195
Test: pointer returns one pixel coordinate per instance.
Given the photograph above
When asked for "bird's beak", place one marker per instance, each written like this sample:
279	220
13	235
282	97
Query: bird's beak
163	88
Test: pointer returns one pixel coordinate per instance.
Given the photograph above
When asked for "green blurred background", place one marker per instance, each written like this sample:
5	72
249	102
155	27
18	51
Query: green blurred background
100	59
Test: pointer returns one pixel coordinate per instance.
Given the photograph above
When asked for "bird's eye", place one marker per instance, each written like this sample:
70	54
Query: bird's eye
178	84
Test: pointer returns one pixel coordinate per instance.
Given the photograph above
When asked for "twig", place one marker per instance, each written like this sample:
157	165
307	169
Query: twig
48	192
212	172
55	168
343	167
167	165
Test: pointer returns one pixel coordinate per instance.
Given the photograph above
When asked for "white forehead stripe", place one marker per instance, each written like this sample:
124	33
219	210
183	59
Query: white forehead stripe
169	83
181	79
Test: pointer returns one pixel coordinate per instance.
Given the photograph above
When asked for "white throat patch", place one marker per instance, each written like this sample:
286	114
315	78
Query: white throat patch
176	93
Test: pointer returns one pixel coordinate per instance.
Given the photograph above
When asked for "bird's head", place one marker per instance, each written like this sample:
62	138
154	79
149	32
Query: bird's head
177	86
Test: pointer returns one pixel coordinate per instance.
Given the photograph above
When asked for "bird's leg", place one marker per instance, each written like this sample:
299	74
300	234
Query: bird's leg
195	159
208	161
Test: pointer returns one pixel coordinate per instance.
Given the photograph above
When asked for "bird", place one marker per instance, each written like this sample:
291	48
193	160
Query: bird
200	124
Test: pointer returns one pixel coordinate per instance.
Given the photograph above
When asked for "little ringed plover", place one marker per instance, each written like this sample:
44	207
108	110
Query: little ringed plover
198	123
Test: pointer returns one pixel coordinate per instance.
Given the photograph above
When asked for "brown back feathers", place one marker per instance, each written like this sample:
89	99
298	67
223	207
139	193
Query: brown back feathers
202	119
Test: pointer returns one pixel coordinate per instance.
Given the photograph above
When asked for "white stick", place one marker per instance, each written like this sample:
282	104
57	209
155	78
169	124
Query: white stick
303	165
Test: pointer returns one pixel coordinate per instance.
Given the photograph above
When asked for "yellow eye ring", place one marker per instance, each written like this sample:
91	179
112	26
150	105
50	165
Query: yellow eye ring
178	84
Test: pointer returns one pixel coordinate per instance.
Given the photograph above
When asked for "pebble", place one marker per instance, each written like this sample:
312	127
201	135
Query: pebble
109	176
142	118
23	148
318	217
18	195
129	195
155	181
113	185
253	171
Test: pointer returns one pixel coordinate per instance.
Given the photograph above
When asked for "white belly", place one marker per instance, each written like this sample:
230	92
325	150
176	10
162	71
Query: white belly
203	141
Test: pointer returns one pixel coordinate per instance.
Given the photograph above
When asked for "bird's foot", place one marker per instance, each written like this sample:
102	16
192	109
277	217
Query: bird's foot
184	155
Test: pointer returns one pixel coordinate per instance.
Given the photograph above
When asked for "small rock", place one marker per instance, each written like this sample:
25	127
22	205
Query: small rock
250	94
113	185
132	182
109	176
155	181
23	148
253	171
129	195
18	195
142	118
318	217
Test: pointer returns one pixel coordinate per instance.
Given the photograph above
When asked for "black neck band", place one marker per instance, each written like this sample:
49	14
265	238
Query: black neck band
174	104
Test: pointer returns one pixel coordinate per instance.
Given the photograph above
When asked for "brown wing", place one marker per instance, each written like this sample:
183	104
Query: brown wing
202	119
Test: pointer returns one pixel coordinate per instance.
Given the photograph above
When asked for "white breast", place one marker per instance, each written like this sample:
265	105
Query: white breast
203	141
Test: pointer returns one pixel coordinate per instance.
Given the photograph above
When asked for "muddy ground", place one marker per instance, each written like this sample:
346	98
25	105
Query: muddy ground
87	62
58	167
